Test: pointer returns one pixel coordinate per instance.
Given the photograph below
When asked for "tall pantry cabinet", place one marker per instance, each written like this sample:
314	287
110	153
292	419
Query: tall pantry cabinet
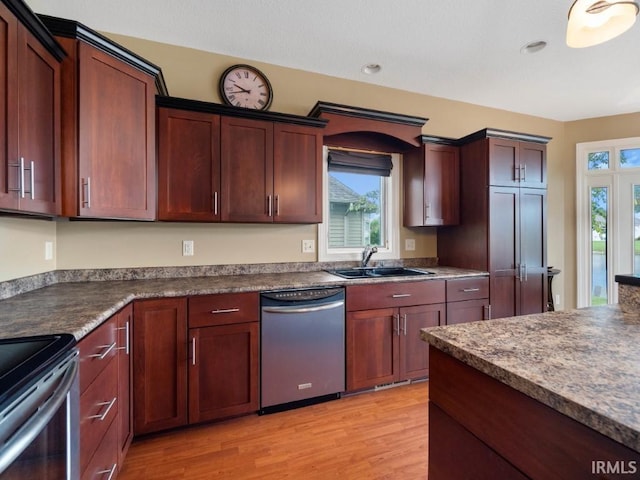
503	185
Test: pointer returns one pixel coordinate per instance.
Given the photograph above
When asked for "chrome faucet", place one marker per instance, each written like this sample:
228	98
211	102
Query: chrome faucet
366	254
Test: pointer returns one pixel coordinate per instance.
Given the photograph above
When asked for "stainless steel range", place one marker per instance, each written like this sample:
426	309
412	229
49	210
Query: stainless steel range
302	347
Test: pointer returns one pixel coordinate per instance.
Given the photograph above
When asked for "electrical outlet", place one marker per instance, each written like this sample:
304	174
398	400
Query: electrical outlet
308	246
48	250
557	299
409	244
187	248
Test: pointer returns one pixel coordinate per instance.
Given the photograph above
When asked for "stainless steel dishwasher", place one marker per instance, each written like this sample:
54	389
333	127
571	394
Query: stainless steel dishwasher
302	347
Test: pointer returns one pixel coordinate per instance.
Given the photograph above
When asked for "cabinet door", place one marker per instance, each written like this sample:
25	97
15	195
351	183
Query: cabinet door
125	384
297	174
441	185
116	138
246	163
504	250
468	311
9	161
159	364
372	348
39	125
533	162
188	165
503	162
533	241
414	353
223	371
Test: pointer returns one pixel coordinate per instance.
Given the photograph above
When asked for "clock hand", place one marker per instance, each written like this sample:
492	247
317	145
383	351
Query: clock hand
244	90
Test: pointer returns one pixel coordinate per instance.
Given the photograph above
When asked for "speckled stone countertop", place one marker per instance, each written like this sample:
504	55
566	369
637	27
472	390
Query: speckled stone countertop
583	363
79	307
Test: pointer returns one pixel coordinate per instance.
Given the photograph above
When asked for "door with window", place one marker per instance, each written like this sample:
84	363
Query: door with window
608	217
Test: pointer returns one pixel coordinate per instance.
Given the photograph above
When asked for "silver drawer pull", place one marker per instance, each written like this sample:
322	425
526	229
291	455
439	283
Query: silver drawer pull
101	356
110	471
225	310
400	295
107	410
469	290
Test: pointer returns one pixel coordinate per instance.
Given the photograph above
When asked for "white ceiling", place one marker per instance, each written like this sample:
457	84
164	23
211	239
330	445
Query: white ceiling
466	50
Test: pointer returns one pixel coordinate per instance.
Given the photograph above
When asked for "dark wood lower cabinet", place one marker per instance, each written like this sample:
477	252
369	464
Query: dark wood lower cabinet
223	371
188	375
160	364
384	345
481	428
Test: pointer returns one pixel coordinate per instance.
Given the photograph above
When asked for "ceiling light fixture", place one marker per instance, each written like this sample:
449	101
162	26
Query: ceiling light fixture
371	68
591	23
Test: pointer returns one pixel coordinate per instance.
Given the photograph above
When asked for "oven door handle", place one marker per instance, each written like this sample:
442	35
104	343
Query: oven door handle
29	430
315	308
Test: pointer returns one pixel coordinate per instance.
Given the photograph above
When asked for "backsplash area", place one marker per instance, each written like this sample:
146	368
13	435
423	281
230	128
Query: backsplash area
11	288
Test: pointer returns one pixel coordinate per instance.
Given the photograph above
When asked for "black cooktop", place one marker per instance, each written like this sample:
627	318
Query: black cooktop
22	360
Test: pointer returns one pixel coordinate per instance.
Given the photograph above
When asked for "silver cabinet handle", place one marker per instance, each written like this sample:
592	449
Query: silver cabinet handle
269	206
488	310
126	334
110	471
215	203
22	190
87	201
404	324
277	202
469	290
101	356
396	329
516	173
33	180
400	295
523	173
193	350
524	269
109	405
224	310
427	211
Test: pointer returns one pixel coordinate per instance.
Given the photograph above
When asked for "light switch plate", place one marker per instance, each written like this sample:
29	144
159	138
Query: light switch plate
409	244
48	250
187	248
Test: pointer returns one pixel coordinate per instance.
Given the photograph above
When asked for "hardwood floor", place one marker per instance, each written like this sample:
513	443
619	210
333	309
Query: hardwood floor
373	435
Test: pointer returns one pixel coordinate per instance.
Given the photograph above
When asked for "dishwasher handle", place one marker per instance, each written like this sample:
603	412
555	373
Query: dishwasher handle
309	309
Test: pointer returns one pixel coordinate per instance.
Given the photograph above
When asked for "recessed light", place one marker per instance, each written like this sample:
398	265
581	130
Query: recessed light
533	47
371	68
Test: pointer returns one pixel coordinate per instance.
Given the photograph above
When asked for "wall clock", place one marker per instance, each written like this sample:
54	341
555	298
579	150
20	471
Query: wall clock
246	87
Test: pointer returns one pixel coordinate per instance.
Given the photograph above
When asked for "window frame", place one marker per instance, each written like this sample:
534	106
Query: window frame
611	178
392	219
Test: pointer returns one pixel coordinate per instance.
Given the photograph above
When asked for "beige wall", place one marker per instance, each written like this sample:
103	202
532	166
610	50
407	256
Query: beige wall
194	74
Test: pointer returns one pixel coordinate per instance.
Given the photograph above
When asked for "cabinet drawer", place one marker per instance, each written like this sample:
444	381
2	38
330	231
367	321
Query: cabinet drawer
395	294
98	408
96	351
467	289
223	309
104	463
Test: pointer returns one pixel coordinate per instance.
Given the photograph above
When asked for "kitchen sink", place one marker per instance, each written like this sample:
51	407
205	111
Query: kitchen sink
375	272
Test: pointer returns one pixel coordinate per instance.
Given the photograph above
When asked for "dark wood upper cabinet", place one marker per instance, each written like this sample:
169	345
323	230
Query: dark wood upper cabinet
227	164
247	170
517	163
188	165
29	113
108	126
431	180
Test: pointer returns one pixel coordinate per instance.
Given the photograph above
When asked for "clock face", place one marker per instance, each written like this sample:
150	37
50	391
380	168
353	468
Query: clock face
245	86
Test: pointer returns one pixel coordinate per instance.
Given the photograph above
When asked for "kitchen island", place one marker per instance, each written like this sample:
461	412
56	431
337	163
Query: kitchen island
554	395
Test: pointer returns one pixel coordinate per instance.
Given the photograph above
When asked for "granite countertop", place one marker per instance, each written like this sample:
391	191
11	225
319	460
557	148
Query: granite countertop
584	363
79	307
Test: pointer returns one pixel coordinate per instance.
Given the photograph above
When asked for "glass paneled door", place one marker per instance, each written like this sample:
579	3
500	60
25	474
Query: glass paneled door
608	217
